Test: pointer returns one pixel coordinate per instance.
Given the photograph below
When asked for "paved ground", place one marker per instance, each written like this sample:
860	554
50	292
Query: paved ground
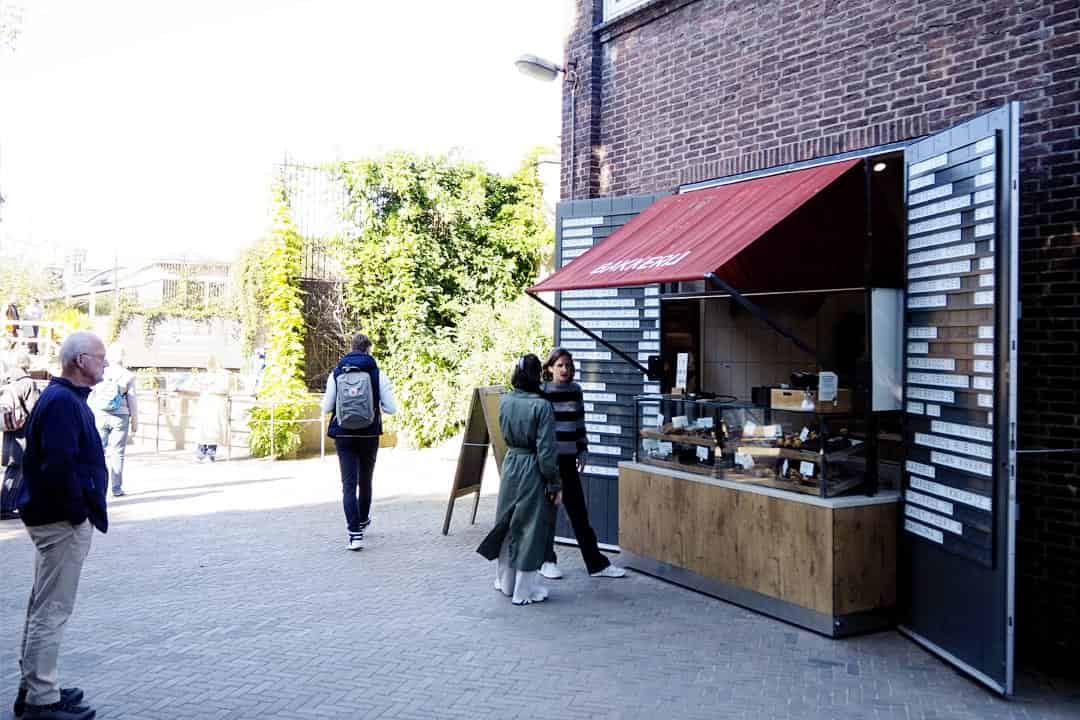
225	591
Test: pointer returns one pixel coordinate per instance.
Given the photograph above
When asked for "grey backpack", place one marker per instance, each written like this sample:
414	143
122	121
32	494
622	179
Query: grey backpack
355	407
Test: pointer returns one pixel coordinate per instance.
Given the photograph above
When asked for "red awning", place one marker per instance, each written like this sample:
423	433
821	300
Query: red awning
683	237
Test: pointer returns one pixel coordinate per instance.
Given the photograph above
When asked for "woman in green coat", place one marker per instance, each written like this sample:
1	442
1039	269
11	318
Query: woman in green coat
529	489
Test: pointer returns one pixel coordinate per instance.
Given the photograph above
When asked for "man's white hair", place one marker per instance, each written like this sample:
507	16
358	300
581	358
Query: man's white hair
76	344
21	360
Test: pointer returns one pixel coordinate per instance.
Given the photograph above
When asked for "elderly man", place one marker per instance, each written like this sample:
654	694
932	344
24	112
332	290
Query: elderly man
62	500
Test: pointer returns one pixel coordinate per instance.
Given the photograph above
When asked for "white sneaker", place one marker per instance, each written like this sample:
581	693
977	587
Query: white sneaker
611	571
551	571
356	541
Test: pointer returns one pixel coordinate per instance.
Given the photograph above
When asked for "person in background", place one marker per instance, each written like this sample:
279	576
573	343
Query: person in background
116	412
258	367
11	312
529	490
18	388
357	405
34	311
211	415
568	405
61	502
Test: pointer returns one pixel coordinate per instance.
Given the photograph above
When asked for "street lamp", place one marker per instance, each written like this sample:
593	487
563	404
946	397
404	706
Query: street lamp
540	69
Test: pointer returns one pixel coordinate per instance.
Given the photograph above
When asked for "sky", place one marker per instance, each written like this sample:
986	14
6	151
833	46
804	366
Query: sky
146	128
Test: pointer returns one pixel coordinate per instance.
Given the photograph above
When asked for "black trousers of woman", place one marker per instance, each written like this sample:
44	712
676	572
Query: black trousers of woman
573	501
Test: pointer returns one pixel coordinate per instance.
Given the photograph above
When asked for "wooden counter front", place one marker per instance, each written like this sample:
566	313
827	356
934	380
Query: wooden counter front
828	564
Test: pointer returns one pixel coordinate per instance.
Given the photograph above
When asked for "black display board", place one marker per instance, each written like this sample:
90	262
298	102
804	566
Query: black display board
957	543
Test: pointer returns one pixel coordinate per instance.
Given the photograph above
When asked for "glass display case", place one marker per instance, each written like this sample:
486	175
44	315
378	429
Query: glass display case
818	453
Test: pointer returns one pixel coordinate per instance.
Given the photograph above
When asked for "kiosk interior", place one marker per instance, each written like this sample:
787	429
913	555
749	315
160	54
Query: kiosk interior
820	332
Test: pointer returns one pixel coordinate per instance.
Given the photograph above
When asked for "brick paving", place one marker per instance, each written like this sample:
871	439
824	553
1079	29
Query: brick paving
225	591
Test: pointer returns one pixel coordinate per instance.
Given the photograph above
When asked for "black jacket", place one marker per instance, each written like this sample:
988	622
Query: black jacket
64	475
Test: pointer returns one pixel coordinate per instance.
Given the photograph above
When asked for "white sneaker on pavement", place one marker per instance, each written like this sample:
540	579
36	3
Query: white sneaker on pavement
551	571
611	571
356	541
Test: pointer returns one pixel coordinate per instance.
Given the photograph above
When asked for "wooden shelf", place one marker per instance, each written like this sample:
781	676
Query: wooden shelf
684	439
710	470
736	475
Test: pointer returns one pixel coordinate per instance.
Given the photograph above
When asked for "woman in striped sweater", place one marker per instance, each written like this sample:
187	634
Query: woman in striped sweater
566	400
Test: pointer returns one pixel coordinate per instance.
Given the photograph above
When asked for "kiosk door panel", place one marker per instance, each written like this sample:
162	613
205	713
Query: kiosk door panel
957	542
627	318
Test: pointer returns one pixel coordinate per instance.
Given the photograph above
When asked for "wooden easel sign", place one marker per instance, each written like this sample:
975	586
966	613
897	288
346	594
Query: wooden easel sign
481	432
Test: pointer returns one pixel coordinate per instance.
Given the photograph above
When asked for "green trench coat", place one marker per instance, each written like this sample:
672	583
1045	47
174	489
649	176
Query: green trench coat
529	472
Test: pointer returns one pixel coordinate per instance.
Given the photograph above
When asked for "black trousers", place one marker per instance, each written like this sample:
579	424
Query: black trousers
573	501
356	456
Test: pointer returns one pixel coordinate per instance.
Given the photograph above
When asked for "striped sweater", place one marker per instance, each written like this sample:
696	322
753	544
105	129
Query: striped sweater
569	407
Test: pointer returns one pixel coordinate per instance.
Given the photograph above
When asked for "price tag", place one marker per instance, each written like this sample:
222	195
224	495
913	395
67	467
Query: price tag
806	469
749	429
771	431
827	383
744	461
703	453
784	468
665	448
804	434
682	361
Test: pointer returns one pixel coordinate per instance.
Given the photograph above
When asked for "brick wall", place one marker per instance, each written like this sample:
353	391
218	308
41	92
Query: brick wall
687	90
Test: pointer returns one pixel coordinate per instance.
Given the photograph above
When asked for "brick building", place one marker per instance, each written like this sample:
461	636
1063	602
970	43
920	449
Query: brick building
676	92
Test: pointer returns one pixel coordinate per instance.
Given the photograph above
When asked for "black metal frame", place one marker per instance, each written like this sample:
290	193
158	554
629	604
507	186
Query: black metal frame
592	335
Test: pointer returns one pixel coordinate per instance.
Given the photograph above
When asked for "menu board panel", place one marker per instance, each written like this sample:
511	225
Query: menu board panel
949	364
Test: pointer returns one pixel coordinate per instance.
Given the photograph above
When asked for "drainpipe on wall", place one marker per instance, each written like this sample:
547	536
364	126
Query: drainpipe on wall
572	78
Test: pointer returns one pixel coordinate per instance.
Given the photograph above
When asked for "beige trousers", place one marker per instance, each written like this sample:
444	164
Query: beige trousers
61	550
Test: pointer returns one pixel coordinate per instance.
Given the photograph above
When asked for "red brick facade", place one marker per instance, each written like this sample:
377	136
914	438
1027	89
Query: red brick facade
687	90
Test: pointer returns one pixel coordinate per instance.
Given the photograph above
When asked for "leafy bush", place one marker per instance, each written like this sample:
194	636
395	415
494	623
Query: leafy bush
281	436
437	244
72	317
280	295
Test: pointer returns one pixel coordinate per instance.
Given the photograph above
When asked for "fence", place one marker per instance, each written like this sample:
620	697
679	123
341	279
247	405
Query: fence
169	420
40	337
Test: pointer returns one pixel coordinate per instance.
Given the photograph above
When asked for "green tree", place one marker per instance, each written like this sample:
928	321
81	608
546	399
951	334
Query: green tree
436	240
24	279
11	21
279	293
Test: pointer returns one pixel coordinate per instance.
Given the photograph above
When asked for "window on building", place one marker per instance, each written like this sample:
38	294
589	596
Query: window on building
614	8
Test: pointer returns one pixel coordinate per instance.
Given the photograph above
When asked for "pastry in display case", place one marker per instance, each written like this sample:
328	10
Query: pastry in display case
803	451
687	433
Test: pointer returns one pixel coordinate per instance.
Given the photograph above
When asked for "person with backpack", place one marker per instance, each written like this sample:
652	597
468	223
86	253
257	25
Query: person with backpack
116	412
357	395
18	395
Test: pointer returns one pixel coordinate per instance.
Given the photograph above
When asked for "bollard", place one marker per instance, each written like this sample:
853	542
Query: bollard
228	426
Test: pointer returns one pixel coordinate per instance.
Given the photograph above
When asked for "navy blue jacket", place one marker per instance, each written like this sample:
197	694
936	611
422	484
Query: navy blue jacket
366	363
64	475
